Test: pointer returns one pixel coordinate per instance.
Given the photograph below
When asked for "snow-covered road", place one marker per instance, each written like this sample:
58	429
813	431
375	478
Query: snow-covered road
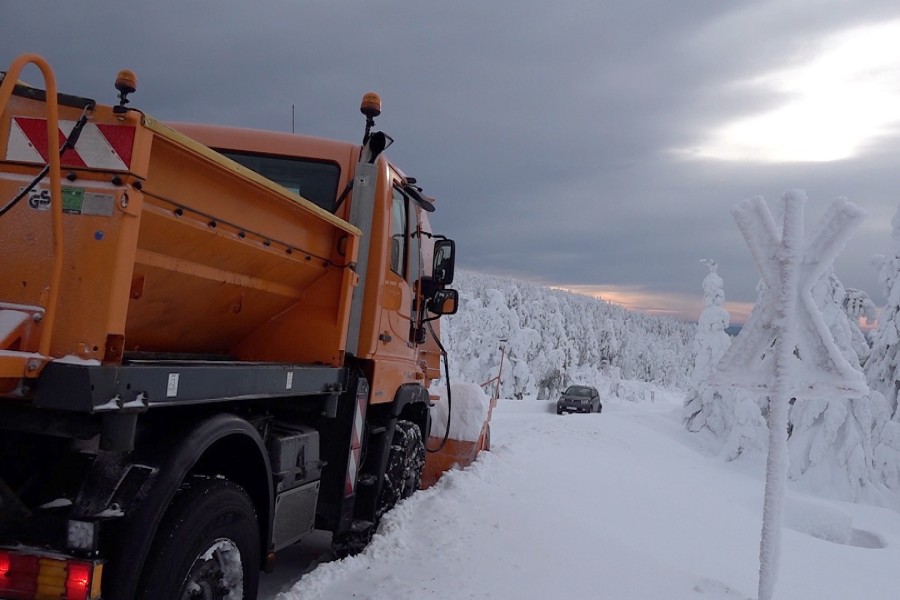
620	505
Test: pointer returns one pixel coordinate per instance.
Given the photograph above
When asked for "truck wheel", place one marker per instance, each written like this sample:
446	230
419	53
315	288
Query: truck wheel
405	463
207	547
402	477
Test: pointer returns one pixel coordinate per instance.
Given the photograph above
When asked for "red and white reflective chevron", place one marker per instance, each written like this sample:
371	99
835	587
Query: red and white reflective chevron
359	419
100	146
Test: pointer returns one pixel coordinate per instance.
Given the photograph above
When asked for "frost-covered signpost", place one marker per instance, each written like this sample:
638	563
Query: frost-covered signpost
786	350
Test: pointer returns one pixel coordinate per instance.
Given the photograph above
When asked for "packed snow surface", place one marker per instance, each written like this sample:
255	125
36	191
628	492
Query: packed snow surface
622	505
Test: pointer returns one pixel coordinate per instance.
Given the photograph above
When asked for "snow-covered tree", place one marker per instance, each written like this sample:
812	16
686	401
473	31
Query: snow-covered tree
730	415
711	341
858	305
608	345
830	442
883	367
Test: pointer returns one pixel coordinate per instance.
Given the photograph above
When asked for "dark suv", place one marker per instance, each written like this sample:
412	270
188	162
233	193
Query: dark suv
579	398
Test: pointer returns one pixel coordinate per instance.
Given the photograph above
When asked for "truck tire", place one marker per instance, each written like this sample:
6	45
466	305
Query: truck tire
405	463
207	547
402	477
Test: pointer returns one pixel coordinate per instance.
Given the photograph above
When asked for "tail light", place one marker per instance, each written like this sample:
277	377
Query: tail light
32	577
78	580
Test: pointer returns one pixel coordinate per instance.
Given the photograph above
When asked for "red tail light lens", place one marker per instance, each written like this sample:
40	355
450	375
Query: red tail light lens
78	581
19	576
28	577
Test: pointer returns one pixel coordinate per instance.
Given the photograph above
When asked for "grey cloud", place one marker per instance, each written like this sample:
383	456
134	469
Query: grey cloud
545	130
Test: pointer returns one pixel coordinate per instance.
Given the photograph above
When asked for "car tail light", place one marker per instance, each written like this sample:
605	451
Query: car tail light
30	577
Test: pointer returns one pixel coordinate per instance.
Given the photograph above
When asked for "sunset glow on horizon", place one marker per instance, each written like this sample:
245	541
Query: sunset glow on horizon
678	306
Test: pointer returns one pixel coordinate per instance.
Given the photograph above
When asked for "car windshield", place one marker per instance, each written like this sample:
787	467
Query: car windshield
578	390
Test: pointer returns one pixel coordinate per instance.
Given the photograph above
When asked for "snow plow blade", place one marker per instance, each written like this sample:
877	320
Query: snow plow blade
455	454
469	432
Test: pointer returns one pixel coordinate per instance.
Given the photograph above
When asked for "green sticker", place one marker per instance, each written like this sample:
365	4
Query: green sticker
72	200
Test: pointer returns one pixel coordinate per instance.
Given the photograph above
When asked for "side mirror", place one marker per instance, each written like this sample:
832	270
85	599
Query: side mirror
444	260
444	302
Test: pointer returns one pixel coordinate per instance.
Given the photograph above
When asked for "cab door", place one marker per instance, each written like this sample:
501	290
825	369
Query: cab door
398	310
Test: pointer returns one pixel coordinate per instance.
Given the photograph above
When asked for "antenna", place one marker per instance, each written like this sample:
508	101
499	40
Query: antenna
292	118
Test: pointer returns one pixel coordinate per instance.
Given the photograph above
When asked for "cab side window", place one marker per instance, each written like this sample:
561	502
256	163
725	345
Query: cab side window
399	224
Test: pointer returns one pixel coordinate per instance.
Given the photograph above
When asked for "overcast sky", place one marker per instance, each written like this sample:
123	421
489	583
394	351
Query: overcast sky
597	145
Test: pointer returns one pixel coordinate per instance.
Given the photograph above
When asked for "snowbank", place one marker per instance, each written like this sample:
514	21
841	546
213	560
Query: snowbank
469	410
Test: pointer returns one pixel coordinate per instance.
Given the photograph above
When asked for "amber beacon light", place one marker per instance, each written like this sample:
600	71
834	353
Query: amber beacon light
371	104
126	83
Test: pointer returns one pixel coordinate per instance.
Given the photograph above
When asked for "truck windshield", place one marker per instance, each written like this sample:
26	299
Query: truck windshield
317	181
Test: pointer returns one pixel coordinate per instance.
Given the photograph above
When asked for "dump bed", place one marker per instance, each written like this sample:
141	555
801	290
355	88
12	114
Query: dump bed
163	248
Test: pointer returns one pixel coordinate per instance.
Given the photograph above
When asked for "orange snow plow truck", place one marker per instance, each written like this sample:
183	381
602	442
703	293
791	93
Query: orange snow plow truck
212	341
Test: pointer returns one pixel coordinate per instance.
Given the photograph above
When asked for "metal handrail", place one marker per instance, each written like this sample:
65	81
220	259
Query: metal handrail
6	90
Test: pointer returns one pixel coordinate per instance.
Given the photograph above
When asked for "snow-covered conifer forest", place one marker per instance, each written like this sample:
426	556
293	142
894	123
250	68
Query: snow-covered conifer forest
554	338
